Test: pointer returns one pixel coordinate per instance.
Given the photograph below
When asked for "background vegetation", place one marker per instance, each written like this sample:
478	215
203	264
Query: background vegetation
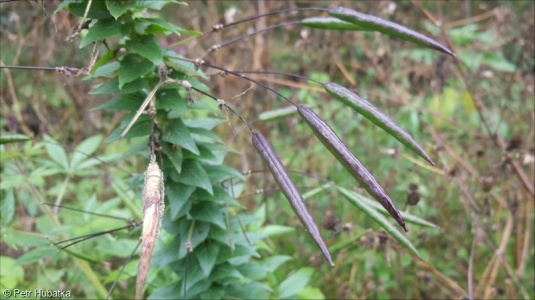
478	193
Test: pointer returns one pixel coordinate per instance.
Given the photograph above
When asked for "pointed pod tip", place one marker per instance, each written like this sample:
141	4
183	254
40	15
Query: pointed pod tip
405	227
331	264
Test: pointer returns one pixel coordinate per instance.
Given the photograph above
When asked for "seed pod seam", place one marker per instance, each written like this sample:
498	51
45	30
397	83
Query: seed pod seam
333	143
372	113
387	27
290	191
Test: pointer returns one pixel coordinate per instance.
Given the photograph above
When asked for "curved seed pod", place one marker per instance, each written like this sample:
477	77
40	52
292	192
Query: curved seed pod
153	208
370	112
290	191
327	136
387	27
330	23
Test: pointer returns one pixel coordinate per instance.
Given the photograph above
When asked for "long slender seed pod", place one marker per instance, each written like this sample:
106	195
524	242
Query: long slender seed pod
330	23
153	208
370	112
387	27
327	136
290	191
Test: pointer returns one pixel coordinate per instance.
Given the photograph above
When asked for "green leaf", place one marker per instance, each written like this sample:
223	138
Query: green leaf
498	62
274	230
174	155
178	195
98	9
134	86
148	47
251	290
389	28
110	87
65	4
207	254
276	114
106	70
133	67
177	133
11	275
100	31
208	212
86	148
171	100
56	153
37	254
407	217
194	174
294	283
202	229
272	263
128	102
311	293
118	7
207	124
225	270
158	25
370	112
13	138
220	172
378	218
181	65
8	207
330	23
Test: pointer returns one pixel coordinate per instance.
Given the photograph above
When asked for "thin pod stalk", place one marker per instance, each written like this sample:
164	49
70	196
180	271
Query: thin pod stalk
373	23
370	112
153	208
333	143
290	191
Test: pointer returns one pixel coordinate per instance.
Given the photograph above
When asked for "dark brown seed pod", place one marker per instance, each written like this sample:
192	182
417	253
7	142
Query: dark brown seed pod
333	143
390	28
370	112
290	191
153	208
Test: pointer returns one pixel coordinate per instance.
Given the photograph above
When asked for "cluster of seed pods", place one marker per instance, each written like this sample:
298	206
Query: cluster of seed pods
346	19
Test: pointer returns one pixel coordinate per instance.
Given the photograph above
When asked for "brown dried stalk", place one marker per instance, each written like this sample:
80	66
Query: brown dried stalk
153	208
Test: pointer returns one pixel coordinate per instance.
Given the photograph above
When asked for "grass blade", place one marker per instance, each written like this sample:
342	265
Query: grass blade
13	138
389	28
290	191
407	217
379	219
333	143
370	112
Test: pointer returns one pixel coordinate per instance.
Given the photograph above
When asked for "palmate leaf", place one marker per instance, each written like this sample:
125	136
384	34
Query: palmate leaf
390	28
